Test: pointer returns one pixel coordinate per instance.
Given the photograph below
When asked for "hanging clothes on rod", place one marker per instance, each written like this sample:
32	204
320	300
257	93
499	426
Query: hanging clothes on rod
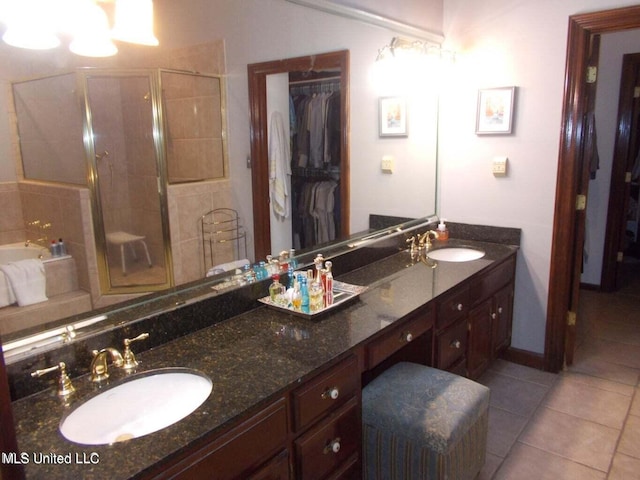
316	216
315	160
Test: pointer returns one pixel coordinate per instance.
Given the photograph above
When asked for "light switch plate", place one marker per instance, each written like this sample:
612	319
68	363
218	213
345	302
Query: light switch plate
500	166
388	164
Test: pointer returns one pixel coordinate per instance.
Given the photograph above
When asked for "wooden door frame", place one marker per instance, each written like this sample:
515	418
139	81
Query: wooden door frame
581	28
257	74
616	216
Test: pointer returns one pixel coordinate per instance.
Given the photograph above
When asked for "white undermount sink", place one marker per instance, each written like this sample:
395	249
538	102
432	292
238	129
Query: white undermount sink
143	404
456	254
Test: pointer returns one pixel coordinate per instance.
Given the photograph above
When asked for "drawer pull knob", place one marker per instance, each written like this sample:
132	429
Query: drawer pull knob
499	309
408	337
332	447
494	315
455	344
459	307
332	393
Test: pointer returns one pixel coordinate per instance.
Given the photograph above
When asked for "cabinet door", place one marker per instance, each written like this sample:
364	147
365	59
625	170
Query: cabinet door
480	338
238	453
502	317
276	469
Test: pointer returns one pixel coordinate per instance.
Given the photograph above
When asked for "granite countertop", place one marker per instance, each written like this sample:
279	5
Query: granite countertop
251	359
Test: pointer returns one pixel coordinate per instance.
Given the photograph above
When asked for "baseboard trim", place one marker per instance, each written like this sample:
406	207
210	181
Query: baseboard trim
524	357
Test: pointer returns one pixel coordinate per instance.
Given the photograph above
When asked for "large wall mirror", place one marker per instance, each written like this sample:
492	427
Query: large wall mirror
202	39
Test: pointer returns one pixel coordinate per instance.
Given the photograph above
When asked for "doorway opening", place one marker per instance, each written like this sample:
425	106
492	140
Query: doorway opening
582	28
330	72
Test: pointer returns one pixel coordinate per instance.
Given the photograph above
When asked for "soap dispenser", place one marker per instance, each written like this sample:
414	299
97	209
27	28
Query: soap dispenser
443	231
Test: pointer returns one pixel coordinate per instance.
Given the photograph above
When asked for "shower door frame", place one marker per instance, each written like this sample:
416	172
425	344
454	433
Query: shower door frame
94	188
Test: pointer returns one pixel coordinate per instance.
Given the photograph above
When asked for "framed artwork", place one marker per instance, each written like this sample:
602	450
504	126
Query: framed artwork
393	117
495	111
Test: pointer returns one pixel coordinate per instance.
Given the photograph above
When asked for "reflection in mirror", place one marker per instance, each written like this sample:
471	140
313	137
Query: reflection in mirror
126	181
301	186
215	44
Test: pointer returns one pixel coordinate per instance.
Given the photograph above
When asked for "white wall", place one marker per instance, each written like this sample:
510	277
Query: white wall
520	43
612	47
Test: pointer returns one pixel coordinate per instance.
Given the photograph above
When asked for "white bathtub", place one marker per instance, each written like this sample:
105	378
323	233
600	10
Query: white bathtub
14	252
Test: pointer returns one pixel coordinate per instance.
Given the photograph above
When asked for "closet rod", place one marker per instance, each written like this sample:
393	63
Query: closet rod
314	80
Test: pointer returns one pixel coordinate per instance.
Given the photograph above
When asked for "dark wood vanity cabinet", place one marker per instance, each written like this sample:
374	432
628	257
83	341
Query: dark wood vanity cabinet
255	448
326	413
473	321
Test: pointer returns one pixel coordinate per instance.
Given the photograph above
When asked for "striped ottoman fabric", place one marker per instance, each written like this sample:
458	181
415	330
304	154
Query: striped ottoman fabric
423	423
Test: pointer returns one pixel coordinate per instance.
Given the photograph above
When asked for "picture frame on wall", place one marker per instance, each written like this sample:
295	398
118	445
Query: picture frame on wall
393	117
496	108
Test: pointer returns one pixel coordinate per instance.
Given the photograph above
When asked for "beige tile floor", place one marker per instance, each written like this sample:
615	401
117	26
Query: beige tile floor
583	423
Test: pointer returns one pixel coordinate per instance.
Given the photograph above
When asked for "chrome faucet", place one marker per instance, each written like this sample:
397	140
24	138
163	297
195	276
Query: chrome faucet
424	240
99	370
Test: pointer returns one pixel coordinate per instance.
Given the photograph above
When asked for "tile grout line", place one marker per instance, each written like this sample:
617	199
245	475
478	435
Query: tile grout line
529	418
624	426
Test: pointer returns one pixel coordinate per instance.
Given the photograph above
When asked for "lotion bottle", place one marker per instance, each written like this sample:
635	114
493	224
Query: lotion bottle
443	231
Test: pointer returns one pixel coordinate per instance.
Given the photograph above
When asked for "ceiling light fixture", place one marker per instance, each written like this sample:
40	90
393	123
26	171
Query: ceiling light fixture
37	24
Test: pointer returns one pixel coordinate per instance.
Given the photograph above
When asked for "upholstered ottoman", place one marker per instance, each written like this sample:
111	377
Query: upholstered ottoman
423	423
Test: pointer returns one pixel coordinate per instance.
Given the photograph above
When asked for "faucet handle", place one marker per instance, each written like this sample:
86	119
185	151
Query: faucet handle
130	361
65	387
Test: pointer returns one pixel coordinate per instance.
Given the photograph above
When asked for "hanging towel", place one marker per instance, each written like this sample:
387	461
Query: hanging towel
6	292
279	167
27	280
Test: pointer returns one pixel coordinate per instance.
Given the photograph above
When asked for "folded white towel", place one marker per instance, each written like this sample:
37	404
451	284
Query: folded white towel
6	292
27	280
226	267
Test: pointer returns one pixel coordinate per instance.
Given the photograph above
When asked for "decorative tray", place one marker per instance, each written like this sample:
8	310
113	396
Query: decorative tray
342	294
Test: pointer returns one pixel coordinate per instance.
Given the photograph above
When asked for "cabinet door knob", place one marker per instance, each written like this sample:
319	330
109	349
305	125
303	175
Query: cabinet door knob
408	336
459	307
455	344
332	447
332	393
499	309
494	316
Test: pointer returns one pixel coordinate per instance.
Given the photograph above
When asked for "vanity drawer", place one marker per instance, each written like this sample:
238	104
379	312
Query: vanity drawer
452	344
389	343
327	391
452	306
492	281
332	443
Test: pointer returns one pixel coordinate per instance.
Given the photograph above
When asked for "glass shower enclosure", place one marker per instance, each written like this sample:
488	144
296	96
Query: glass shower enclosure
101	130
124	143
125	135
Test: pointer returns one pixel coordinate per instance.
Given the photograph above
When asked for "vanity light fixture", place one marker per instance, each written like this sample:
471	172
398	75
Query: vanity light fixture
39	24
401	48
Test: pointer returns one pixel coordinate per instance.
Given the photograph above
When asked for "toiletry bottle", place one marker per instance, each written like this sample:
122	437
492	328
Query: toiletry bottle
443	231
276	289
296	297
55	249
328	284
304	294
62	247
